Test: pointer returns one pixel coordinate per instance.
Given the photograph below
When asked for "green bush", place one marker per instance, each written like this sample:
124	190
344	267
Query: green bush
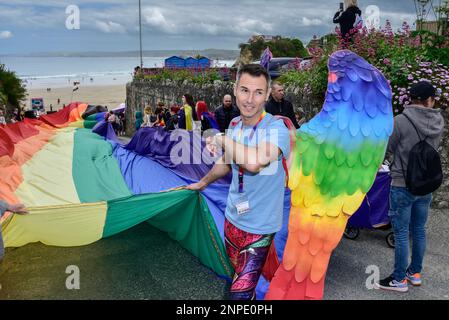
196	76
279	47
12	90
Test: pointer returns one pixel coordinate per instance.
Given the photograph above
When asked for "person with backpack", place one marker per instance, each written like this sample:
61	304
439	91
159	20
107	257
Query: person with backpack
416	173
349	19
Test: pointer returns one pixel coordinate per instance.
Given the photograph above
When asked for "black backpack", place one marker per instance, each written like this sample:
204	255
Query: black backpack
424	172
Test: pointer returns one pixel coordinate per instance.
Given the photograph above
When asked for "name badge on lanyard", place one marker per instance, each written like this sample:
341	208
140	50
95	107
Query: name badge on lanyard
242	204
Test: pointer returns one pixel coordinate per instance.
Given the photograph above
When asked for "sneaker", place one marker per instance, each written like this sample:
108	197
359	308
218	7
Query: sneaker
414	279
392	285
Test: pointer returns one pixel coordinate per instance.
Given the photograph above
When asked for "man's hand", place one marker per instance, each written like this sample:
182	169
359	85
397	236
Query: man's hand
199	186
211	146
214	144
17	208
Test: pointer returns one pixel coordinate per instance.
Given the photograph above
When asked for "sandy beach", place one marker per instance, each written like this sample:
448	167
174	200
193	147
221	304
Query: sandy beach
110	96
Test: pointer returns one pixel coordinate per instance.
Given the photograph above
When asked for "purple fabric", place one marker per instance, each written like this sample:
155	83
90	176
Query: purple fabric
212	121
374	209
147	169
157	144
104	129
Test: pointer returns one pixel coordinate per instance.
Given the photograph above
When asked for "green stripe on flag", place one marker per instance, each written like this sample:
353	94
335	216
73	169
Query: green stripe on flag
183	214
96	173
90	121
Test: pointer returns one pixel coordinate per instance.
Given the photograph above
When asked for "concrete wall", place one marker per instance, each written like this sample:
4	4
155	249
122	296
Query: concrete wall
142	93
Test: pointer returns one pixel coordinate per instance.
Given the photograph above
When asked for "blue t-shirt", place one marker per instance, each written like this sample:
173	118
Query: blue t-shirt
264	190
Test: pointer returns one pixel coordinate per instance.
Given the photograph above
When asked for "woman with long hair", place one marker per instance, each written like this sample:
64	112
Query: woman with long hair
207	118
347	17
186	114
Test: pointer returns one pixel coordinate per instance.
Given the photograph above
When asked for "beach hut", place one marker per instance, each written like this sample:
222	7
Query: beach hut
191	62
175	62
204	62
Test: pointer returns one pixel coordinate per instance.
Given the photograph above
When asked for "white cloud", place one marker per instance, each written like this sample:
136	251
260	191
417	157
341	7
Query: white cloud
311	22
154	17
110	27
5	34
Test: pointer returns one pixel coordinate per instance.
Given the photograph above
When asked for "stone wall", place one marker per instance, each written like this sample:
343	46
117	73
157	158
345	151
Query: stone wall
147	93
142	93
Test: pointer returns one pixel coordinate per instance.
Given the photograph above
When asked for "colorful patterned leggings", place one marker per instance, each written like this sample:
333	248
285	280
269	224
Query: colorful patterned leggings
247	253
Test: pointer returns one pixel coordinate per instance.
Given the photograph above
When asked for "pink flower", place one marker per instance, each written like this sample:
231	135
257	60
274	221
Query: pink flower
410	77
387	61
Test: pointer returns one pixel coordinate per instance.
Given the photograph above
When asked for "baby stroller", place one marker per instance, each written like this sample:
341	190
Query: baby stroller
373	213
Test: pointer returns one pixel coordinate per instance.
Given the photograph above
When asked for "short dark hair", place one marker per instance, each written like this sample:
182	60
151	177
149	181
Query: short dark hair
254	70
422	90
277	83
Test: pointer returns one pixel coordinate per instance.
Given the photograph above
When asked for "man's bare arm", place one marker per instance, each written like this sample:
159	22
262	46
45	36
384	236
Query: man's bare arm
219	170
251	159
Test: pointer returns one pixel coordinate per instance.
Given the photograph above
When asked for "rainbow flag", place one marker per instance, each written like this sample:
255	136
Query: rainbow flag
76	186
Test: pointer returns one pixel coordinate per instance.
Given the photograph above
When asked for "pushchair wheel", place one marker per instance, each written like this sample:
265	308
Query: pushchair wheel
390	240
351	233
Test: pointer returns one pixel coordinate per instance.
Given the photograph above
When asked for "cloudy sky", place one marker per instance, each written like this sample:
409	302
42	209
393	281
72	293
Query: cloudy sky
28	26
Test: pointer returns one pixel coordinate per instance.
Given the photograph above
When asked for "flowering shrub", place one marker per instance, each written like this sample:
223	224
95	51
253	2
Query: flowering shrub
195	75
404	57
436	73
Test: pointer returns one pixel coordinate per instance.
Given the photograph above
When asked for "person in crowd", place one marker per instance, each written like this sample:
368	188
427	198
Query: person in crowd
165	113
408	212
113	120
17	115
186	114
253	148
160	116
225	113
278	105
139	120
149	119
207	118
137	72
2	117
172	122
346	17
122	129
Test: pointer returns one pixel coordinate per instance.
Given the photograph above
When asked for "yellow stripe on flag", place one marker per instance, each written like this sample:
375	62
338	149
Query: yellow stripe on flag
66	225
47	176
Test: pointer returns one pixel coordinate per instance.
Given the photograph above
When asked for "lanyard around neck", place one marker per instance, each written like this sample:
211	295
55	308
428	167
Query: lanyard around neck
254	128
250	137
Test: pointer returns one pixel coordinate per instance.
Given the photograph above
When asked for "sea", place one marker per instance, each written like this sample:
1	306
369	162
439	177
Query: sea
57	72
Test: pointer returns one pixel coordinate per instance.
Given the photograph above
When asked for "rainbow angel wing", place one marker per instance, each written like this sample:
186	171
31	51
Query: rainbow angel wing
336	159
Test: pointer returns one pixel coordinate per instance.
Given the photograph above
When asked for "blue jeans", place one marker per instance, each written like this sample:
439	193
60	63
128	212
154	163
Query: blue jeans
408	214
